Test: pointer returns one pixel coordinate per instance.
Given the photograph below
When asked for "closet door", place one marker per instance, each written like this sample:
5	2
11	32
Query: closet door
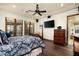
31	28
18	30
14	26
28	28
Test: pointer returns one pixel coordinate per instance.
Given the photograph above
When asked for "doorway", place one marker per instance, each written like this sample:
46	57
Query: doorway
28	28
73	27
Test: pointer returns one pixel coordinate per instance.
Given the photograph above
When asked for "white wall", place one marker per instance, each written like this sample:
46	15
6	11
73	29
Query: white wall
60	20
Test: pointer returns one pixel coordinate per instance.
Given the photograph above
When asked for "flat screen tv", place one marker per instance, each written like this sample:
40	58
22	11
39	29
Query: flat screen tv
49	24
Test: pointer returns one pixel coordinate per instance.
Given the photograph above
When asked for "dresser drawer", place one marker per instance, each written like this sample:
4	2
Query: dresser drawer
59	35
59	39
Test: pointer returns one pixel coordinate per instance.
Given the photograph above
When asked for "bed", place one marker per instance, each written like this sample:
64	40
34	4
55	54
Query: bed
20	45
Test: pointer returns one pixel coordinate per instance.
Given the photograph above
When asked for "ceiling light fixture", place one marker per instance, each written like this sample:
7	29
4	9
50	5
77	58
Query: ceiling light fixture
14	6
61	4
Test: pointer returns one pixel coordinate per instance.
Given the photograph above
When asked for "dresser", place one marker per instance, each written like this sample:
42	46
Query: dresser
59	36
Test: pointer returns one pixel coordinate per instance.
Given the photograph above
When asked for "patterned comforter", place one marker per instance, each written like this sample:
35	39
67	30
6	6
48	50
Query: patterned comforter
20	45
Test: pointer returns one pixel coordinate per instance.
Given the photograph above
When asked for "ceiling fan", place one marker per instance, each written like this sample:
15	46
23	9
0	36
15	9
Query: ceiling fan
37	11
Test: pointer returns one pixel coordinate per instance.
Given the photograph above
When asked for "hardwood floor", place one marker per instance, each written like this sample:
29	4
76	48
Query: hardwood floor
52	49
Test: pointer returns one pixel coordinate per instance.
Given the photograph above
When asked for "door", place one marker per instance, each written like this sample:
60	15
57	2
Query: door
29	28
19	30
14	26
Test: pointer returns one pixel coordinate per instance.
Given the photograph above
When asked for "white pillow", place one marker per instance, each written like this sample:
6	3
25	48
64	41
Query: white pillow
1	40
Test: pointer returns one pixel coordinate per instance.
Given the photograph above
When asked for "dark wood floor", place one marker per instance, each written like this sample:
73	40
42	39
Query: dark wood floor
52	49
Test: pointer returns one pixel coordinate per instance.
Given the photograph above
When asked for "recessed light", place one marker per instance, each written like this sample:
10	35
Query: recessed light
61	4
14	6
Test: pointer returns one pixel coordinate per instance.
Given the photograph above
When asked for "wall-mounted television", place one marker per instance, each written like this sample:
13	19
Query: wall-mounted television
49	24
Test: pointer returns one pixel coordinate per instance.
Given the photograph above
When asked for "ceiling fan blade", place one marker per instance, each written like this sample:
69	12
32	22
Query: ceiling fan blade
29	11
43	11
40	14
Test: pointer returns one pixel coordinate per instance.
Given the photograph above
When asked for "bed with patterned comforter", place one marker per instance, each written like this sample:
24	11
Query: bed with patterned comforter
20	45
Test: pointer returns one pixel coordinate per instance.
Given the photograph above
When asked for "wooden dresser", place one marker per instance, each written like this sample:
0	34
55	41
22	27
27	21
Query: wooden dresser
59	36
76	46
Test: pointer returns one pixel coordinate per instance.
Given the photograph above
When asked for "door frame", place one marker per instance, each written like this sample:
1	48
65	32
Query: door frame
68	24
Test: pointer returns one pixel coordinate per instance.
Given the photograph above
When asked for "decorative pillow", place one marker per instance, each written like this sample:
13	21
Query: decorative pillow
4	37
1	43
8	35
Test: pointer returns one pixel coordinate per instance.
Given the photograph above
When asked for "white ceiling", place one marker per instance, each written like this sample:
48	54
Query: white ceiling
51	8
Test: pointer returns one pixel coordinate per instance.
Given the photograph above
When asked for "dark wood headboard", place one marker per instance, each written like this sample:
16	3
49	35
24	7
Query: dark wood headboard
37	35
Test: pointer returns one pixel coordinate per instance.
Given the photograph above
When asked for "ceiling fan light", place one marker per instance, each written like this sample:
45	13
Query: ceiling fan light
37	15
